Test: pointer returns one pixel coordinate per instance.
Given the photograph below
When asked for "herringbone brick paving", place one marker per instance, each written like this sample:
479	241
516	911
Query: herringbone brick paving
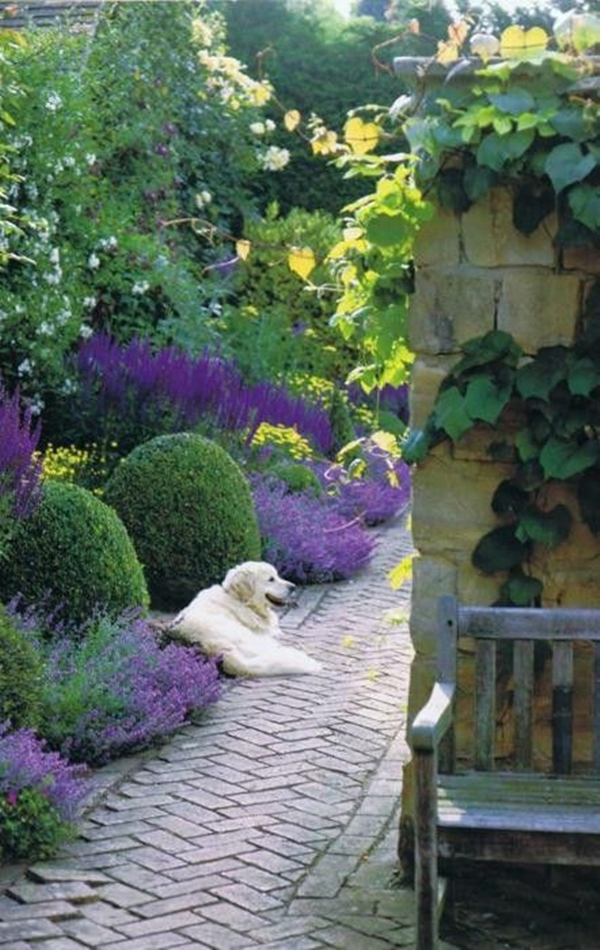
271	823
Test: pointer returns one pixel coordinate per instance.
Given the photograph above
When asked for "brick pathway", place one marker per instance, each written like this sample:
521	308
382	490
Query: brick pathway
271	824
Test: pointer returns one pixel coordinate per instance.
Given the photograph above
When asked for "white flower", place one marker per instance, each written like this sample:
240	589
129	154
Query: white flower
90	158
93	261
269	125
85	332
203	198
45	328
257	128
274	159
69	161
63	316
36	405
140	287
55	255
25	367
54	277
53	102
108	244
69	386
89	303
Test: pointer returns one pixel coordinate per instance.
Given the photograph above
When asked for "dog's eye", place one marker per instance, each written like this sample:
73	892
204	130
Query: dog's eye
271	578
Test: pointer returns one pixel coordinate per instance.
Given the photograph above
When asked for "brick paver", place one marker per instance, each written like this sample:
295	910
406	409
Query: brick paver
272	823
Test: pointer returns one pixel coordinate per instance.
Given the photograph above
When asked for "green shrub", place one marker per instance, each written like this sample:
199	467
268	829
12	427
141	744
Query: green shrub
21	673
189	512
297	477
32	827
73	555
342	429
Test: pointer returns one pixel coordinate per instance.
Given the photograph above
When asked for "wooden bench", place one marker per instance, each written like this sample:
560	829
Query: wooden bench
519	815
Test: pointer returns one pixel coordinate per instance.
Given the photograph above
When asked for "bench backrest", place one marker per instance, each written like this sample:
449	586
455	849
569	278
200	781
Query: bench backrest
492	628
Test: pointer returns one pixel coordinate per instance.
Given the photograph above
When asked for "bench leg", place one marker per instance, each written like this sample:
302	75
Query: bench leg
426	868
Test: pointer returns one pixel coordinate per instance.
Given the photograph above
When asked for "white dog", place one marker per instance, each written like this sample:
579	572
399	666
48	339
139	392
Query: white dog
234	620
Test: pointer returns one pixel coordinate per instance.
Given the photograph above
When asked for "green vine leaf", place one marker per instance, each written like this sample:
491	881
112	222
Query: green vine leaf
583	377
492	346
545	527
584	201
568	163
496	150
521	589
450	413
537	379
499	550
509	498
485	399
386	230
527	447
515	102
561	459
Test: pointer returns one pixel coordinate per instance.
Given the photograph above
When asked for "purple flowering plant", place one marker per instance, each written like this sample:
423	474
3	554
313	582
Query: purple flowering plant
20	468
304	537
113	688
130	392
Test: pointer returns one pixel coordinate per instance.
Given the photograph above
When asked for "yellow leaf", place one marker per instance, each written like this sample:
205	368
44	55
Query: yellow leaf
386	441
242	249
457	32
291	119
362	137
324	142
447	52
348	642
302	261
352	233
401	573
516	43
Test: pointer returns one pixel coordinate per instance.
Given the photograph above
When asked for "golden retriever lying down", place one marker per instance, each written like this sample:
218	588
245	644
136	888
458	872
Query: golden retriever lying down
234	620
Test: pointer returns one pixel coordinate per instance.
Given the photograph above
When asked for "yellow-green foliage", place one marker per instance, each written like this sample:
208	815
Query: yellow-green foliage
21	673
283	439
87	466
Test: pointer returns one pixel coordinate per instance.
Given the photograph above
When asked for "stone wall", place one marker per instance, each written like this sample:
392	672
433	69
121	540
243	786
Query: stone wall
475	273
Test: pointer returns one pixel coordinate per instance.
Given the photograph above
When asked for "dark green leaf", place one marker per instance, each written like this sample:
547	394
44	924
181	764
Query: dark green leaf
521	590
451	415
561	459
530	475
539	377
496	150
570	123
567	163
492	346
509	498
499	550
451	192
515	102
588	496
526	445
583	377
584	201
485	400
477	181
532	203
545	527
416	445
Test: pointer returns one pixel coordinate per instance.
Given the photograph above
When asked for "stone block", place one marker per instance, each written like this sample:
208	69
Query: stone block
451	503
450	306
426	378
491	240
432	577
539	308
438	240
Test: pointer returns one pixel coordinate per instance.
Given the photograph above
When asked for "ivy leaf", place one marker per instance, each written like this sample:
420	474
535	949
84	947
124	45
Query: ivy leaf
588	496
497	150
530	475
545	527
584	201
386	230
485	400
531	204
517	43
561	459
362	137
509	498
477	181
521	589
450	413
526	445
499	550
571	124
416	445
567	163
515	102
583	377
492	346
538	378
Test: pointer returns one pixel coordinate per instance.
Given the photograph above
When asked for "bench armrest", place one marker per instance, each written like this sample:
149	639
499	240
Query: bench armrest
433	720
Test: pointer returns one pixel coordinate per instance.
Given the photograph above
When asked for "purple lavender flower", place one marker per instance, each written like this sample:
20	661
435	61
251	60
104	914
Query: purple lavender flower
133	382
304	538
25	763
19	469
112	689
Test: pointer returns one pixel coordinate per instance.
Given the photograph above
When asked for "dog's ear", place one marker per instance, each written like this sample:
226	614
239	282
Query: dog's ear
239	583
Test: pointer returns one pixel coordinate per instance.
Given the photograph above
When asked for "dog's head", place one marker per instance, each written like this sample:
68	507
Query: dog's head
258	585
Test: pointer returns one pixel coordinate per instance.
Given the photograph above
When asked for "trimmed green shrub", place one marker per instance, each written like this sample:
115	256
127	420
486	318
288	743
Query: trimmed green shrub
21	677
342	429
73	555
297	477
189	512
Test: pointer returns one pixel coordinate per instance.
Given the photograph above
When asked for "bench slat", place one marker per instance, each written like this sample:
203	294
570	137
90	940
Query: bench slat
523	699
513	623
485	704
